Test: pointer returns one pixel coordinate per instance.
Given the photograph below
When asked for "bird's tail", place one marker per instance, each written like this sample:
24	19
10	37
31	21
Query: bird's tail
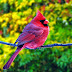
7	65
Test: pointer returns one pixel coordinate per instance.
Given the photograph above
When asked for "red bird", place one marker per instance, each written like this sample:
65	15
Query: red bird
34	35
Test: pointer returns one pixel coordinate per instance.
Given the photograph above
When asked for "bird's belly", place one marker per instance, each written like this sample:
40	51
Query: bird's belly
38	41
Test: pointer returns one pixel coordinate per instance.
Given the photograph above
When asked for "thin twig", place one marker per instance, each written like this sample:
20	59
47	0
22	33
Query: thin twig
57	44
50	45
8	43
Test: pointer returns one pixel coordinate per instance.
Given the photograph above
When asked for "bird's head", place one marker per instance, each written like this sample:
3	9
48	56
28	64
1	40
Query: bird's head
40	20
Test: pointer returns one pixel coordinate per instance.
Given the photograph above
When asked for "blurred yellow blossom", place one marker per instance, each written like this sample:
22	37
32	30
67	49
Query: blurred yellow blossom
1	19
4	24
7	19
3	1
28	51
15	15
11	2
12	32
30	3
16	3
27	12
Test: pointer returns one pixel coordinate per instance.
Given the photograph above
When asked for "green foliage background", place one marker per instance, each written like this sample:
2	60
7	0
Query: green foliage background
16	14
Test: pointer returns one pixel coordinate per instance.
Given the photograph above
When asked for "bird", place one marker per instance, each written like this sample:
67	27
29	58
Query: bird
33	35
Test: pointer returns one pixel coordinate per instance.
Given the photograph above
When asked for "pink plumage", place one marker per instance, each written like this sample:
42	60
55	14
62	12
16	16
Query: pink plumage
34	35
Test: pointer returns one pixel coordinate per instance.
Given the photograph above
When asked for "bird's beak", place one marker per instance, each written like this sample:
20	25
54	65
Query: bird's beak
46	21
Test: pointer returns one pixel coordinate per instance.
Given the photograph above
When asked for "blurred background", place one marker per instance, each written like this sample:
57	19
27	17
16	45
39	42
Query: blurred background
16	14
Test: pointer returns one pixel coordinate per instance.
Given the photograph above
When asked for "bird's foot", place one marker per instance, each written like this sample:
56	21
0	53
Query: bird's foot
14	44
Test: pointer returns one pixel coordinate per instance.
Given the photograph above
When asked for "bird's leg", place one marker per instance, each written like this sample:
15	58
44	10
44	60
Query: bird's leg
15	44
40	48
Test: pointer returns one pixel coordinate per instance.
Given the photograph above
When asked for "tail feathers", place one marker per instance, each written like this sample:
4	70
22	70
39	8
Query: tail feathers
7	65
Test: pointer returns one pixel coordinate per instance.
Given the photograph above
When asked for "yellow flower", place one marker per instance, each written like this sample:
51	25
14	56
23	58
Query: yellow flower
52	23
30	3
5	15
12	64
58	5
47	8
28	51
16	35
1	64
25	3
27	12
4	25
23	22
16	3
64	18
30	19
20	6
11	2
1	19
51	28
49	16
18	22
3	1
21	52
7	19
57	33
12	32
15	16
51	5
4	55
33	14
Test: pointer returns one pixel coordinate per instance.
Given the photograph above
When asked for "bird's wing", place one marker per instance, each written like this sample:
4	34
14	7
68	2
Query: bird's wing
29	33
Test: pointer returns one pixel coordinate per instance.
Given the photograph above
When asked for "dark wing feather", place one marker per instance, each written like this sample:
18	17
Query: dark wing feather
29	33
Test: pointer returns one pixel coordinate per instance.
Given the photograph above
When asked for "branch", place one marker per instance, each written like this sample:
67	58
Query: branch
8	43
57	44
50	45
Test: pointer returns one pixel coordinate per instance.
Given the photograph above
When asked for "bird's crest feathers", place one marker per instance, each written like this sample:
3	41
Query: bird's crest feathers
40	16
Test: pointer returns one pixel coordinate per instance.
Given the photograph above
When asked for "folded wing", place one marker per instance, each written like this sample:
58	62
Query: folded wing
29	33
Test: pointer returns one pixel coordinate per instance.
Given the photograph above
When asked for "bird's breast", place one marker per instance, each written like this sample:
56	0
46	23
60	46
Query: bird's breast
38	41
44	34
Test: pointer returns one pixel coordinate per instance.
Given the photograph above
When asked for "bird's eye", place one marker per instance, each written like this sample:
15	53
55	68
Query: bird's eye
45	24
42	21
